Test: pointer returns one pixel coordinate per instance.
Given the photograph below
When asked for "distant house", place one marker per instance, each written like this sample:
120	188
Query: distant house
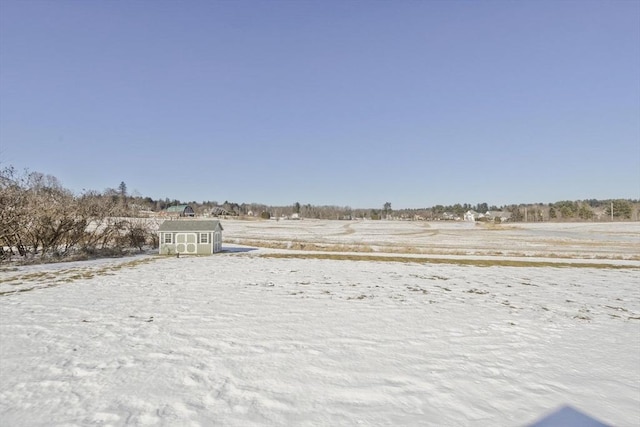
470	215
501	215
179	211
190	236
450	217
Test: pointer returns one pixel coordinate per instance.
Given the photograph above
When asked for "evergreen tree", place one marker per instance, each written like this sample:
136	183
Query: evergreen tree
386	209
621	209
122	190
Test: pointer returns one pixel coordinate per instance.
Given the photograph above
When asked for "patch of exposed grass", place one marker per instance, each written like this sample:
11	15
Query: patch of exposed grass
302	245
380	247
529	284
17	291
456	261
73	273
40	275
129	264
49	279
477	291
348	230
495	226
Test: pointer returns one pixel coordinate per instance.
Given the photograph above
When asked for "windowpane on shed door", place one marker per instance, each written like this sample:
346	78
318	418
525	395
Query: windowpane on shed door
185	238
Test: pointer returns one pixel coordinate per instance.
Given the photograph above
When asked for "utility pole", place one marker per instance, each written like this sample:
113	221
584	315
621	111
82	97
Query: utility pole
611	211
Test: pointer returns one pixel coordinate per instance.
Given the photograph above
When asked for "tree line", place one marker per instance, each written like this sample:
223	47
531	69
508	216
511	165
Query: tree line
581	210
39	217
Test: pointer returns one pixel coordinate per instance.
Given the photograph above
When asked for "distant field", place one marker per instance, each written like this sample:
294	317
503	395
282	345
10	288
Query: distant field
612	241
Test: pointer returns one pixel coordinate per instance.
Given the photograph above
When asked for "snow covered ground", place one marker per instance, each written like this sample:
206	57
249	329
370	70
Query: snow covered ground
243	338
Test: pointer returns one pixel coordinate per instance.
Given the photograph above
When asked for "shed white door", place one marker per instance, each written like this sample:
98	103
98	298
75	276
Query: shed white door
186	243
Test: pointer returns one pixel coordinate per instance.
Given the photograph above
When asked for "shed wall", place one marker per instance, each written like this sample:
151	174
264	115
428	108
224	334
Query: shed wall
213	245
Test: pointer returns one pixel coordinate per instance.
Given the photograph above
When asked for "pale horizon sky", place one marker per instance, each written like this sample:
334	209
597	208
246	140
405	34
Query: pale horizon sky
348	103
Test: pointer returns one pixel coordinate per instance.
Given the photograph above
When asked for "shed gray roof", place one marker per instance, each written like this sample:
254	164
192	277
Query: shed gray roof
190	225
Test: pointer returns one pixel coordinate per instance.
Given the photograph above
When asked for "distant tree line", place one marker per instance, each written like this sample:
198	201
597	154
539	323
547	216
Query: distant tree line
40	217
581	210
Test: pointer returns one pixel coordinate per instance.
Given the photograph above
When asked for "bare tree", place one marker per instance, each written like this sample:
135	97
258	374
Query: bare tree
12	211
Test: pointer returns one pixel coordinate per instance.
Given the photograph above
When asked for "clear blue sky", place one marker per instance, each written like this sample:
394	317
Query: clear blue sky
326	102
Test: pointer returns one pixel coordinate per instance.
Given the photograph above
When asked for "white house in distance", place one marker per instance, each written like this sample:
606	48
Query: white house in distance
190	237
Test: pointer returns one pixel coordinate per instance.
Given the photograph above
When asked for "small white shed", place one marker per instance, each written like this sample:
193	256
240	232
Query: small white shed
190	237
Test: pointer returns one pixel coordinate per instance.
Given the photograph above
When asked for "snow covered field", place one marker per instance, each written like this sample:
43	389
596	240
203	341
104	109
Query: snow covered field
560	240
244	338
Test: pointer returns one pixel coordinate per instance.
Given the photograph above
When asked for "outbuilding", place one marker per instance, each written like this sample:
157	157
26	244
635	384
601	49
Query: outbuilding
179	210
190	237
